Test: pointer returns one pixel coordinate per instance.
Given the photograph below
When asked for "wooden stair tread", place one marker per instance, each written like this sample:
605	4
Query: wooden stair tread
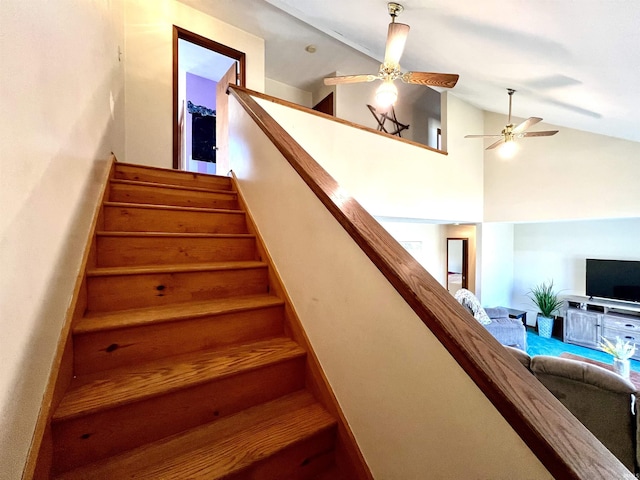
151	206
183	267
111	388
105	233
219	448
151	168
171	186
94	322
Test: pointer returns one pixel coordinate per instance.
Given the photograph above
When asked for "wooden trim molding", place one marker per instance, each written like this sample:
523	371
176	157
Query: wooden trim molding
39	457
563	445
181	33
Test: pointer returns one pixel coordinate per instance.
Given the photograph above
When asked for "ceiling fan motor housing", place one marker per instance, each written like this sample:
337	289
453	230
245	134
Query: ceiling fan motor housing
395	9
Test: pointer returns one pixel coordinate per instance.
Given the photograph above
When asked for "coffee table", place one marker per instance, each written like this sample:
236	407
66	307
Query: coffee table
634	377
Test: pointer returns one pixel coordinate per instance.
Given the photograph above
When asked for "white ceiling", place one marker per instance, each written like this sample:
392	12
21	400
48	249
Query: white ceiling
576	63
201	61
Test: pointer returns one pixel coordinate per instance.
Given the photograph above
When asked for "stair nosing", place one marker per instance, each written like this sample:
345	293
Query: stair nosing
218	368
172	186
151	206
217	431
317	418
108	321
107	233
173	171
175	268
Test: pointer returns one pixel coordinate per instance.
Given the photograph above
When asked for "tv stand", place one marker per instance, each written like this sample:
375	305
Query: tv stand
589	320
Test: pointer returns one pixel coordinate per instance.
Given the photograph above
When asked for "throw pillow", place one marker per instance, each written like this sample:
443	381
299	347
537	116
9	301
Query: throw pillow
470	301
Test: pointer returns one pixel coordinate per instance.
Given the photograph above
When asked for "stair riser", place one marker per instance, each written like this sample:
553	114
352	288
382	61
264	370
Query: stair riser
141	174
169	196
134	251
115	348
135	219
93	437
121	292
303	461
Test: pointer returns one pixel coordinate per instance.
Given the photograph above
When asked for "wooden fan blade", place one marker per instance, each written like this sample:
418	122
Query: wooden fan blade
483	136
349	79
494	145
546	133
396	40
529	122
446	80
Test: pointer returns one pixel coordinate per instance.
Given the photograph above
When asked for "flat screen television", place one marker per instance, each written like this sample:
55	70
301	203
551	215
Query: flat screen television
613	279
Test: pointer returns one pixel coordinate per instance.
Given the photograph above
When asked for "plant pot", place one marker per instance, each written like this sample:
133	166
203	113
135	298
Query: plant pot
622	367
545	326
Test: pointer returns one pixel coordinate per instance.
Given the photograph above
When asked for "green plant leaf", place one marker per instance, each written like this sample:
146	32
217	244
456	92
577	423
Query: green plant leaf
545	298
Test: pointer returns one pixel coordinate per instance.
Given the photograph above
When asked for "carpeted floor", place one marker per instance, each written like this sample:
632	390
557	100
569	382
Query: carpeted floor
554	347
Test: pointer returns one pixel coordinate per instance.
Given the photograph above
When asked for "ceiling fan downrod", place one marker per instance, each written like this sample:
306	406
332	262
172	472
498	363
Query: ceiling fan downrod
511	91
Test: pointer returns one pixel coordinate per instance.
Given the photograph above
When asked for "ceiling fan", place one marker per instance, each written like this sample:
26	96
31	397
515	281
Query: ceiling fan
387	93
510	133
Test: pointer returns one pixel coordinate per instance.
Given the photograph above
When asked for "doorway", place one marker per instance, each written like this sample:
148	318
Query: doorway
202	69
457	264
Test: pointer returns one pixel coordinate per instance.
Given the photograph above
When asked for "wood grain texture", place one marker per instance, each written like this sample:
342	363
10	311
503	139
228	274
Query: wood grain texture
132	463
155	194
151	340
131	217
176	330
559	440
91	393
110	432
143	173
103	321
39	457
119	289
157	248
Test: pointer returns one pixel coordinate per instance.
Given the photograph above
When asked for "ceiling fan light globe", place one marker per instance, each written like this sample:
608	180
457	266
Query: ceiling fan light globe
386	95
508	149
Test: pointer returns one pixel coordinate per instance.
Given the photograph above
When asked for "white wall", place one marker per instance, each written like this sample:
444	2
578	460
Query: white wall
61	115
148	54
415	107
392	178
557	251
430	419
570	176
425	241
495	264
287	92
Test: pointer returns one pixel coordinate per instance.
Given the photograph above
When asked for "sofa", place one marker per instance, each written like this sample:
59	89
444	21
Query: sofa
508	331
603	401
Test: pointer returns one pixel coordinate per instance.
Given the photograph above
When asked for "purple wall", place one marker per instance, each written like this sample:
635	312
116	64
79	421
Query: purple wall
200	91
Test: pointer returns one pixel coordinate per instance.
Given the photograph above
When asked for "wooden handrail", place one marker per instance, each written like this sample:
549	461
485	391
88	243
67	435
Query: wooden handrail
563	445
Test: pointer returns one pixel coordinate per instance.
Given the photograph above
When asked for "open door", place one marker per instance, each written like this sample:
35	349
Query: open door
222	122
202	61
457	264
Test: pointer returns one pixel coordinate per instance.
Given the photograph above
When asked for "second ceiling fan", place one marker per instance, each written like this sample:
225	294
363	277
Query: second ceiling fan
510	132
390	69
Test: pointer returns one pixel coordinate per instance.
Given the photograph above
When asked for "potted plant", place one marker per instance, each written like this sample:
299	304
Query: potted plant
547	300
622	351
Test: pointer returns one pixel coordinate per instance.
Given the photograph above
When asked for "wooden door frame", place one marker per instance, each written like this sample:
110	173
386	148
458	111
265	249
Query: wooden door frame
465	261
181	33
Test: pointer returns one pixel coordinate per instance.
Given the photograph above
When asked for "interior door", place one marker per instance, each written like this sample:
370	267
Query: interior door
222	120
457	264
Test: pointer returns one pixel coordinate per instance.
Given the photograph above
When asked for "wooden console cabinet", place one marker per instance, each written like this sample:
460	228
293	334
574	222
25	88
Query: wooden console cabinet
587	322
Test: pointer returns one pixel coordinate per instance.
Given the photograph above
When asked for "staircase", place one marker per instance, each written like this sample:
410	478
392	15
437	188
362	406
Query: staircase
181	365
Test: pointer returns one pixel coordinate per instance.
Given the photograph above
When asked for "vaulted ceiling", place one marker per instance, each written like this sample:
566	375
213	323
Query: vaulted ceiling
574	63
